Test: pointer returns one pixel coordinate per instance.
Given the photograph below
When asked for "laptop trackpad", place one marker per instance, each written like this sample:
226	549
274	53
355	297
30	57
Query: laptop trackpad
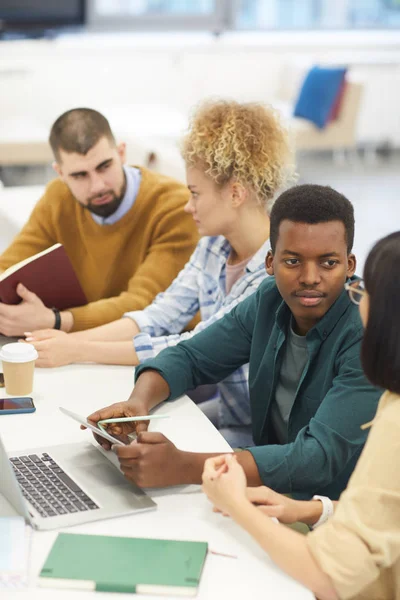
103	473
86	464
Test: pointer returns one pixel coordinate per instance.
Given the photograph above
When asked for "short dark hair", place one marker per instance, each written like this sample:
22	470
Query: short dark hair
78	130
311	203
380	351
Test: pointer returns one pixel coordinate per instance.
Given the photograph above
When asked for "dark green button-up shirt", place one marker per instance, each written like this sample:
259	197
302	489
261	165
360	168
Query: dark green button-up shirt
333	397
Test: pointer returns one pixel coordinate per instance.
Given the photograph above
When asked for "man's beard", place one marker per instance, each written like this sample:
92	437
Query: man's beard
105	210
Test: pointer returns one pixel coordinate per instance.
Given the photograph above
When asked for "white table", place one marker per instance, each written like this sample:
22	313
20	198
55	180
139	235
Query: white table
183	512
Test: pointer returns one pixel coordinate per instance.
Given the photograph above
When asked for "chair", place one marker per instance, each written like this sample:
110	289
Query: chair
337	135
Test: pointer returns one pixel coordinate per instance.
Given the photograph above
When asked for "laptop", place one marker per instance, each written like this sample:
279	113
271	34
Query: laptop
61	486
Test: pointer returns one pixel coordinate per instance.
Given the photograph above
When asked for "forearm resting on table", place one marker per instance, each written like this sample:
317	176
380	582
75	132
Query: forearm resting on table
117	331
246	460
151	389
287	548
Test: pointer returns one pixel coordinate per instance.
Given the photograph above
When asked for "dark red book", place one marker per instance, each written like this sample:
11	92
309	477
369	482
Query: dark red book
49	274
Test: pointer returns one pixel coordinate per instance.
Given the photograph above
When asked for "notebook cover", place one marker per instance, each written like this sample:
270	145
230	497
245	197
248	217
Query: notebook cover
123	564
14	548
51	277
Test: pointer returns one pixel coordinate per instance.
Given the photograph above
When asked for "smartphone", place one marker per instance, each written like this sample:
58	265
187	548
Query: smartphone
93	426
15	406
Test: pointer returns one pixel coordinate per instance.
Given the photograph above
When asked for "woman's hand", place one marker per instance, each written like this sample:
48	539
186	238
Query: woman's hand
285	509
224	482
55	348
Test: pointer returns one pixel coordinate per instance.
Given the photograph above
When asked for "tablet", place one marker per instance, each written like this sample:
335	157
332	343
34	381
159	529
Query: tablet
91	425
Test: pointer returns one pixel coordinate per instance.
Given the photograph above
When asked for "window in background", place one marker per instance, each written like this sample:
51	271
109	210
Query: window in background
317	14
156	14
220	15
154	7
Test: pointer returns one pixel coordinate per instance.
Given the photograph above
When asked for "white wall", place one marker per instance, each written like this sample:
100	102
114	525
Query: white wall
41	79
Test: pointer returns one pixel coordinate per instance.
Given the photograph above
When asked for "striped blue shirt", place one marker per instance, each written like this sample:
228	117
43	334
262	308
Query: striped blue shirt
201	286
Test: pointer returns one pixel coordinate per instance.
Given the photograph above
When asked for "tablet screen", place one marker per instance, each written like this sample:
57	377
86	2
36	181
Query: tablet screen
92	425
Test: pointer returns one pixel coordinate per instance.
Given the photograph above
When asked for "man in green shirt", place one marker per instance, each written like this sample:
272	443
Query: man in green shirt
301	336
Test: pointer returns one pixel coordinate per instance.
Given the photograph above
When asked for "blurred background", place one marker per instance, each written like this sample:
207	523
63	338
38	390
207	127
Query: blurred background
146	63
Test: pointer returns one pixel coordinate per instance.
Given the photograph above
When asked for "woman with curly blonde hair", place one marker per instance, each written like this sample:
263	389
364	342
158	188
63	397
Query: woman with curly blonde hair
237	157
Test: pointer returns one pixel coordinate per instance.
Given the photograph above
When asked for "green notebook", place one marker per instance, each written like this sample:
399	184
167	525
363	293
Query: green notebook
124	564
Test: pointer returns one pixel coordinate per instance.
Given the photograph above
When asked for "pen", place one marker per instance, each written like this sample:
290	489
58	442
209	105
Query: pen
130	419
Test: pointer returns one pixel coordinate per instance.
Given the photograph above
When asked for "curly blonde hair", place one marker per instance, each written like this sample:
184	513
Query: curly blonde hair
247	142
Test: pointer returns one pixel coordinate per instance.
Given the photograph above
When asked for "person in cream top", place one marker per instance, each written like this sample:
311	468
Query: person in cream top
356	552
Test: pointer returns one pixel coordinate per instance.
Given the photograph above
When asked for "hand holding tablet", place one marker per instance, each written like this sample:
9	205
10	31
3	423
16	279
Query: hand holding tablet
100	429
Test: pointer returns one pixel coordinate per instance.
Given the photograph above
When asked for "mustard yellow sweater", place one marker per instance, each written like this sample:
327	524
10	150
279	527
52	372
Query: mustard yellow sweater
122	266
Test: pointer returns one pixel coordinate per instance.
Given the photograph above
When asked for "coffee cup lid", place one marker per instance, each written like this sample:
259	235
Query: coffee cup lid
18	353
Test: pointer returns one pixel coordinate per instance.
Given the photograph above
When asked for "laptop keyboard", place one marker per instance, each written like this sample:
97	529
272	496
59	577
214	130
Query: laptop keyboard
48	488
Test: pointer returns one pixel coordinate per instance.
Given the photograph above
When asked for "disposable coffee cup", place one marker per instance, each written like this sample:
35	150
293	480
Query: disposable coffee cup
18	367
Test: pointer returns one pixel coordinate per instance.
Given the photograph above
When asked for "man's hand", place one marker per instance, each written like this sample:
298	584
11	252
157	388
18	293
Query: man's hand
120	430
29	315
152	461
55	348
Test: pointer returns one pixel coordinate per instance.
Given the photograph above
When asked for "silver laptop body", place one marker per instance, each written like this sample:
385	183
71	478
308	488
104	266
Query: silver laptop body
74	475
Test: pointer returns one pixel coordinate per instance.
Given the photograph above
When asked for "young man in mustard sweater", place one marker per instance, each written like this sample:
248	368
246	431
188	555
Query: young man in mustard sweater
123	228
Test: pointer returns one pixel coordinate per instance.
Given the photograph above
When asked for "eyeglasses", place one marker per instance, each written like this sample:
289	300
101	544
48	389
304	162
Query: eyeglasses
356	290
